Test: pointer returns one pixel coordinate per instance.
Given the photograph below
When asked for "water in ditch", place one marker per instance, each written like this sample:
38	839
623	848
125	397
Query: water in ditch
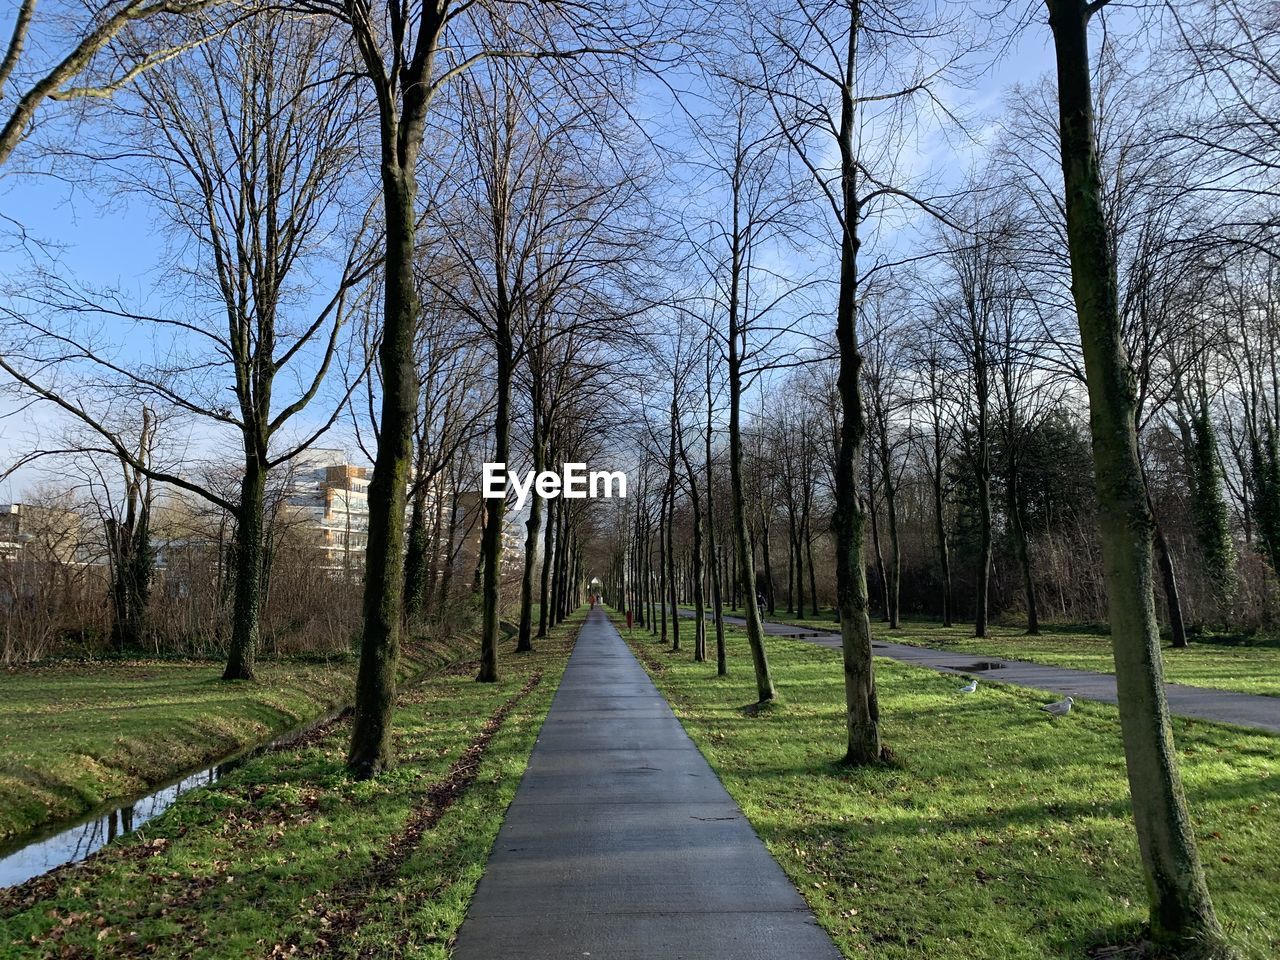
73	841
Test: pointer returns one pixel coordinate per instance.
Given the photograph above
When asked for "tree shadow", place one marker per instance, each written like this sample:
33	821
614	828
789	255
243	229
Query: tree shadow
760	708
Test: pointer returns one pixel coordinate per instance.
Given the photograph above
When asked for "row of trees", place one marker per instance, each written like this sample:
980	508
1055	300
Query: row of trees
445	227
978	468
1137	301
523	270
89	574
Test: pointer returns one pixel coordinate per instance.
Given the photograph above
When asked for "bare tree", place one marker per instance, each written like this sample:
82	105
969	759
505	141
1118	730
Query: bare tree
1181	911
883	376
105	51
129	549
968	311
243	154
1230	133
847	81
745	163
449	419
933	404
538	234
1247	299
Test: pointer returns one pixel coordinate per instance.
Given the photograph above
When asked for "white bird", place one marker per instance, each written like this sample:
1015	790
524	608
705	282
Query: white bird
1059	709
970	687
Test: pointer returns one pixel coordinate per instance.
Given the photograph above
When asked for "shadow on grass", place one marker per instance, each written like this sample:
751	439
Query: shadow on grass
1123	941
1132	941
761	708
912	822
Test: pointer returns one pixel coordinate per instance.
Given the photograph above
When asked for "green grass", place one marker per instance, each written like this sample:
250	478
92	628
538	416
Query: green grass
1222	666
74	735
998	833
288	851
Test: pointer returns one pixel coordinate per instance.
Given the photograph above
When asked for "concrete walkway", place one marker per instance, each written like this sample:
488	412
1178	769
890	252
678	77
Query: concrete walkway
622	843
1200	703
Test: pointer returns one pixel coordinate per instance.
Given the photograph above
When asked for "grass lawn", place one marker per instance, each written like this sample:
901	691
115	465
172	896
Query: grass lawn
287	855
74	735
999	833
1223	666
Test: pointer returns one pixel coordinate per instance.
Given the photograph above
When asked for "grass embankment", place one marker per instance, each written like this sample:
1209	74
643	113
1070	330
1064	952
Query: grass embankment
75	735
998	833
1210	663
288	856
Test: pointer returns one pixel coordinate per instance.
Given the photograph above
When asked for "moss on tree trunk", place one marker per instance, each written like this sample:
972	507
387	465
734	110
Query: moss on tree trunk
370	751
1181	913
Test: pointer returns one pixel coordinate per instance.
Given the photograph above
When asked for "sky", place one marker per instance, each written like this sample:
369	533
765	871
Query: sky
102	240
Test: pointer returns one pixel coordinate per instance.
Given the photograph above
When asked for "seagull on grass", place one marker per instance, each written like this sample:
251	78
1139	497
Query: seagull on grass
1059	709
970	687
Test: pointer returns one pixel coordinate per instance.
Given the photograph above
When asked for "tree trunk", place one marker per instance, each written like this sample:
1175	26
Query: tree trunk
649	579
566	557
433	551
671	597
1209	510
796	546
1181	913
807	533
546	568
557	554
745	568
893	589
533	526
734	577
671	509
132	564
496	507
248	582
944	551
791	561
662	564
1022	549
983	477
696	571
1169	580
571	581
370	751
415	561
134	585
882	575
717	604
717	600
862	708
770	599
450	537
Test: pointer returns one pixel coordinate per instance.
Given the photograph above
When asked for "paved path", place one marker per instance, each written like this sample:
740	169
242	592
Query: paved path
621	842
1201	703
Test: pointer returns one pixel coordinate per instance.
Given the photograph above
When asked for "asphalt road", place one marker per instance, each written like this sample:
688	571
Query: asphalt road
621	842
1200	703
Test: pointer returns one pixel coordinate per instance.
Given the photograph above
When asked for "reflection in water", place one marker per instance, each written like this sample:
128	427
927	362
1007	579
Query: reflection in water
79	841
86	837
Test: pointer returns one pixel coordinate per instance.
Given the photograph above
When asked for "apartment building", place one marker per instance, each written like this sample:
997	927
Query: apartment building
331	497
